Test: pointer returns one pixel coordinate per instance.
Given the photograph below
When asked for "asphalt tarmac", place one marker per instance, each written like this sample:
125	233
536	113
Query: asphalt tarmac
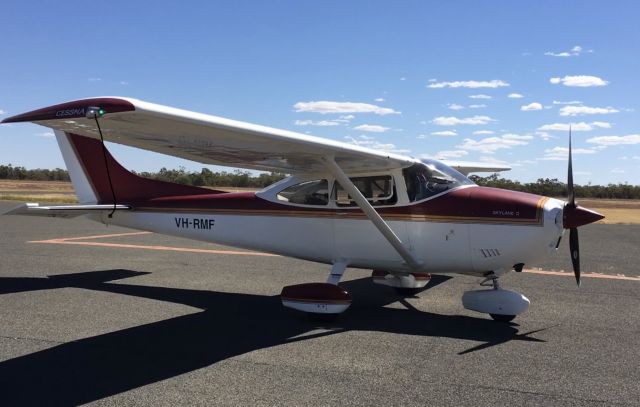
143	319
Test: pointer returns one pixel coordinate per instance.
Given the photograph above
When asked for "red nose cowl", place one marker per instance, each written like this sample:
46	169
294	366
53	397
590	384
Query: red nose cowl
576	216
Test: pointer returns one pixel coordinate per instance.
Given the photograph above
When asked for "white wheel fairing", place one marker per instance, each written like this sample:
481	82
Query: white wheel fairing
495	301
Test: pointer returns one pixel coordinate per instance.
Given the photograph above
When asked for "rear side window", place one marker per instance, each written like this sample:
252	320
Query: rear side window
307	193
378	190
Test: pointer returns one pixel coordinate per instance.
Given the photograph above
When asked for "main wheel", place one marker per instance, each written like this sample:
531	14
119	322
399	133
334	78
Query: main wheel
502	318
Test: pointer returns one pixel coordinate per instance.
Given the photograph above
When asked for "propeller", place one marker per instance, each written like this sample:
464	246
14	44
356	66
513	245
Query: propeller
574	216
570	207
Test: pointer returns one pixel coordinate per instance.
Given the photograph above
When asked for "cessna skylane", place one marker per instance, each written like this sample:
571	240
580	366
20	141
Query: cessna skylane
343	205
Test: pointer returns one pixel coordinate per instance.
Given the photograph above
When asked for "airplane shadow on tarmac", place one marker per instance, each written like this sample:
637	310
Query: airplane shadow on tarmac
229	324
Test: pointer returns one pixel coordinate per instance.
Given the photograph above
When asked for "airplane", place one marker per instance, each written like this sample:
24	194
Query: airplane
343	205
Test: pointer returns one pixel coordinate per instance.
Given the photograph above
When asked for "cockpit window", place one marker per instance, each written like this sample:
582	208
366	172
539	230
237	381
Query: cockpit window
431	178
378	190
306	193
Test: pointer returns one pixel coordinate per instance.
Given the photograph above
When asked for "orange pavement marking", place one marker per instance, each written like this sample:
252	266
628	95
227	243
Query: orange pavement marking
589	275
91	237
76	241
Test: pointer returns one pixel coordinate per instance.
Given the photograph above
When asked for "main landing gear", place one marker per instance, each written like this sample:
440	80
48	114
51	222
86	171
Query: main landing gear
329	298
501	305
319	298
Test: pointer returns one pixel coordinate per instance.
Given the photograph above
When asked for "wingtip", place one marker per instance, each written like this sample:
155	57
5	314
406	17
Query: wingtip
73	110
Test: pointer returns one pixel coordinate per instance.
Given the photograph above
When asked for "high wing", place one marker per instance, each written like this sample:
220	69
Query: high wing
467	167
208	139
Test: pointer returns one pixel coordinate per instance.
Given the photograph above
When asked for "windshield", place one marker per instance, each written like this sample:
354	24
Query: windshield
431	178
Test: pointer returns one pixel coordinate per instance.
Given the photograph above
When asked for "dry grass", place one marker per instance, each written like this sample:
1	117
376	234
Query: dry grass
616	211
37	191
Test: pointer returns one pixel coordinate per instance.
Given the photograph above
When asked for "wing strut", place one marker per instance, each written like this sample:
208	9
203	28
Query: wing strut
371	213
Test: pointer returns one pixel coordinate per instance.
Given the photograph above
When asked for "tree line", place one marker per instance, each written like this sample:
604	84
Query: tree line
205	177
553	187
208	178
39	174
244	179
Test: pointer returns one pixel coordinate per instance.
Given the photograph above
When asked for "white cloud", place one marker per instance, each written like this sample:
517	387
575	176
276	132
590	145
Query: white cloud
378	100
46	134
2	112
493	160
495	83
573	52
403	79
482	132
531	106
347	117
454	121
544	135
630	139
514	96
94	79
322	123
582	126
618	171
477	106
124	83
325	107
371	128
370	142
480	96
572	110
446	133
581	81
491	144
573	102
455	106
562	153
447	154
421	136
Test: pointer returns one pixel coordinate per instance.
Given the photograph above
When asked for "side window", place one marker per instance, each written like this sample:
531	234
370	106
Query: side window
379	190
306	193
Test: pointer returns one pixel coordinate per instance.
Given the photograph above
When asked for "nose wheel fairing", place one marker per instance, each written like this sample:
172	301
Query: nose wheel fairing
502	305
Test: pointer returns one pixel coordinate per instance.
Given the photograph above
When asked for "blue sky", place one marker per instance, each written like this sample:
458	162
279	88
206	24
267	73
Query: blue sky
468	80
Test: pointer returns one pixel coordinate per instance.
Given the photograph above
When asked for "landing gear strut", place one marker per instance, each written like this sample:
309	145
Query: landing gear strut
501	305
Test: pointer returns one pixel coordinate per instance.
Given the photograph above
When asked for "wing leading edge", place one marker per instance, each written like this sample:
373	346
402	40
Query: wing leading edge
208	139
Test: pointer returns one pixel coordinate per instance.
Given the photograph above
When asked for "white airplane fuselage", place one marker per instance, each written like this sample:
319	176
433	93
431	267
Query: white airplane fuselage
466	246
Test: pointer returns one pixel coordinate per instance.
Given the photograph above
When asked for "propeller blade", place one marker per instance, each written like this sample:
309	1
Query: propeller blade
572	197
574	247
